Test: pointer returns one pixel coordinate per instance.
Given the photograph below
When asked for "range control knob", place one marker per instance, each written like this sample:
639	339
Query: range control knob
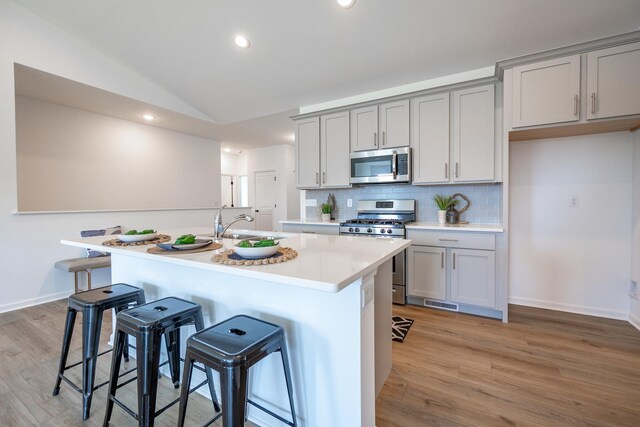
357	230
389	231
369	230
382	230
350	229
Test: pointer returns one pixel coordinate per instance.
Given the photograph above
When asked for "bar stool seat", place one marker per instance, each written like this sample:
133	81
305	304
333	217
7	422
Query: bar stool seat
86	265
92	304
148	323
232	347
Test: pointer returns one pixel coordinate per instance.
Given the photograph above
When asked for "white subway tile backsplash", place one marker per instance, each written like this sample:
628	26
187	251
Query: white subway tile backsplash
485	200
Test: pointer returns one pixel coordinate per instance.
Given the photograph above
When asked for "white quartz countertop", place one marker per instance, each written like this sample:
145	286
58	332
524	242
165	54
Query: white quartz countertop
313	221
485	228
325	263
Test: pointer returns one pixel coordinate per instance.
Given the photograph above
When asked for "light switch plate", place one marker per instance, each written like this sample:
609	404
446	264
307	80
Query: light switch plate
349	203
574	202
311	202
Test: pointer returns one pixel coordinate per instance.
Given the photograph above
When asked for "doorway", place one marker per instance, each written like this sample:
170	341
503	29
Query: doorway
265	200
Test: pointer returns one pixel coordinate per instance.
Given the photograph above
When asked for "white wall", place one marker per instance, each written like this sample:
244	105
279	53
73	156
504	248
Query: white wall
571	259
634	308
28	276
228	164
70	159
281	159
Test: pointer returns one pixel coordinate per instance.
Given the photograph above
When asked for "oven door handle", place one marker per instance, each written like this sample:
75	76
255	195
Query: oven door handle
394	164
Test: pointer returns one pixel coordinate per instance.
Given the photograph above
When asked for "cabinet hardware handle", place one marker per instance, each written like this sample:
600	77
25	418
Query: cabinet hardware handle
324	177
441	259
394	290
446	170
457	170
309	232
317	178
575	105
384	138
593	102
375	139
448	240
454	261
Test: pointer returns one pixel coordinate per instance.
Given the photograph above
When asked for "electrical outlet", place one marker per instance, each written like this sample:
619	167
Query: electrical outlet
349	203
633	290
311	202
574	202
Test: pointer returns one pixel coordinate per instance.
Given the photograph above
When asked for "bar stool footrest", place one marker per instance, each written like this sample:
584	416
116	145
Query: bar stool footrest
263	409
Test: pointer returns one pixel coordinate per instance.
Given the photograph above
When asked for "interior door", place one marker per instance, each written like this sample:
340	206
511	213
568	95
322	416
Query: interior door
265	200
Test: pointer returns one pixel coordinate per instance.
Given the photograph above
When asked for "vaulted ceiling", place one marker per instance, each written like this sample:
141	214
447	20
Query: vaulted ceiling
310	51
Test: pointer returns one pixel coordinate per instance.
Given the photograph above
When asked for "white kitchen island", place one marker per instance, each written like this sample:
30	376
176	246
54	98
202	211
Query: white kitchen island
333	300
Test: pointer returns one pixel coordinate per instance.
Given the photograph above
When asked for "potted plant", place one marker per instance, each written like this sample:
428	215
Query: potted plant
443	203
326	212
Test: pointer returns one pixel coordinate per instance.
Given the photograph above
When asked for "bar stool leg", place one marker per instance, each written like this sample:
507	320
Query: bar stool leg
287	375
91	326
186	385
199	324
88	279
119	345
233	382
66	344
172	342
126	339
75	280
148	354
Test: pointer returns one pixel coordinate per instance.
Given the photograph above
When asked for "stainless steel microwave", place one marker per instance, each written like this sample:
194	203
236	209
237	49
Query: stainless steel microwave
381	166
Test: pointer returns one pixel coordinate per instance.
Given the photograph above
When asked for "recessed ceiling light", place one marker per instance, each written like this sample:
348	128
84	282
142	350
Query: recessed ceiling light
241	41
148	117
346	3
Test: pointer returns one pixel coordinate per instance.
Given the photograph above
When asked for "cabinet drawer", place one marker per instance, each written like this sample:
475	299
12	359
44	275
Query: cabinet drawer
449	239
311	229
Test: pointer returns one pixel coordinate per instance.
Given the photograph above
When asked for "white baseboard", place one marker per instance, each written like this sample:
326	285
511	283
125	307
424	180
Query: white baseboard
578	309
634	321
34	301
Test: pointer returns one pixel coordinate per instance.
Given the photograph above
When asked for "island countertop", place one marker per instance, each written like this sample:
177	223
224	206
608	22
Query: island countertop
324	263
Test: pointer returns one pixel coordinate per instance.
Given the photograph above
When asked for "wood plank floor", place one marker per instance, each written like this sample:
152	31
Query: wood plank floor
544	368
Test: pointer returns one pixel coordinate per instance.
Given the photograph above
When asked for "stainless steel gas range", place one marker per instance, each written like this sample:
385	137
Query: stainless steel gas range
385	219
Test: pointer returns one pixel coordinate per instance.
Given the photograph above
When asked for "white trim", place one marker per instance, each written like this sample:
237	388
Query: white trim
34	301
635	322
465	76
570	308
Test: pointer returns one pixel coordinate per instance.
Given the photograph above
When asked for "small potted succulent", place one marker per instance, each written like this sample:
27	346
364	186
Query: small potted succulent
326	211
443	203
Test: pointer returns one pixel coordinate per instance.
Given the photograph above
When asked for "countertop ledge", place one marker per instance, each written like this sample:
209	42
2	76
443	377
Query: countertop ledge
312	221
482	228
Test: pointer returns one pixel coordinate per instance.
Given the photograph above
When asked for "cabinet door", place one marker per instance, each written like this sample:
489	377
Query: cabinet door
426	272
430	139
613	82
394	124
474	134
364	128
546	92
473	277
308	152
334	150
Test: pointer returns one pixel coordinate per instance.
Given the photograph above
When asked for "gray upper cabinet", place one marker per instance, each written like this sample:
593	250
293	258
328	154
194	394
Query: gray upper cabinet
473	140
394	124
430	139
334	150
613	82
364	128
546	92
308	152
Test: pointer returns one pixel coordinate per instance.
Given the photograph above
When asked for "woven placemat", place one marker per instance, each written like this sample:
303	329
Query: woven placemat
227	258
161	238
159	251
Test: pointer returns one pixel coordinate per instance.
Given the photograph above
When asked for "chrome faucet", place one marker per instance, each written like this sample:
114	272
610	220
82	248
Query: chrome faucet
219	228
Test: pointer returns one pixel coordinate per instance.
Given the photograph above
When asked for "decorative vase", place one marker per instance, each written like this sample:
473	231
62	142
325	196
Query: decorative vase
442	217
326	217
452	215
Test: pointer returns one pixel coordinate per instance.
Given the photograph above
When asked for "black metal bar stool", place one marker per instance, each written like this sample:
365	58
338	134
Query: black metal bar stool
232	347
148	323
92	304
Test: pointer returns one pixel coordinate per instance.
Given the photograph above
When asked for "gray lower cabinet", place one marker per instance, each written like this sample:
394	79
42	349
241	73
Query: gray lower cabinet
452	267
426	272
473	277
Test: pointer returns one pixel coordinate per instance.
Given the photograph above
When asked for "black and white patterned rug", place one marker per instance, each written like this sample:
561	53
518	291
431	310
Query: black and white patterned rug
400	328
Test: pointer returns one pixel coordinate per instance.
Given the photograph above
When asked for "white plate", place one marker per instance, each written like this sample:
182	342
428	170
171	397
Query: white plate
136	237
257	253
199	243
